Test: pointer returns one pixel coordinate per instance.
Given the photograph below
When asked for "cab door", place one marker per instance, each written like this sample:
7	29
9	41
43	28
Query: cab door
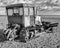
29	16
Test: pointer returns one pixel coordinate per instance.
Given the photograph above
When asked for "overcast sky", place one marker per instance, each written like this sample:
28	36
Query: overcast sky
34	1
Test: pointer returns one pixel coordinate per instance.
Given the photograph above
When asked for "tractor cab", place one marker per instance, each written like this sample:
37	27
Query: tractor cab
22	13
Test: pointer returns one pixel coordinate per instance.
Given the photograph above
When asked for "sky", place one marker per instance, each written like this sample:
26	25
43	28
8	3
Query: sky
50	2
11	1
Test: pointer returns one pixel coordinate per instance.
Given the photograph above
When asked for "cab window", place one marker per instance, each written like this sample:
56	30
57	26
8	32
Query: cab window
31	11
16	10
10	12
26	11
20	11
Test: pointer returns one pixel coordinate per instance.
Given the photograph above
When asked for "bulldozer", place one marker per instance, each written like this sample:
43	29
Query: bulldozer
23	22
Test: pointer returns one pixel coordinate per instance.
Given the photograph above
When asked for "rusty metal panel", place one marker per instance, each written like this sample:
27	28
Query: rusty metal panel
15	19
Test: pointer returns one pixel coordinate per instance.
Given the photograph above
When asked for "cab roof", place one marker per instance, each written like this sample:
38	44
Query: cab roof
14	5
19	5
